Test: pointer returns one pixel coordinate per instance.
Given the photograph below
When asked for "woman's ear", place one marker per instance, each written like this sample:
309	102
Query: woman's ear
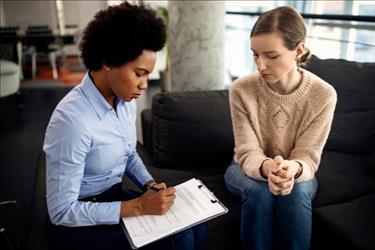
300	49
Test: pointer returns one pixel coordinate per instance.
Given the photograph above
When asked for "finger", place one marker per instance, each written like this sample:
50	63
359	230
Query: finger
273	188
169	198
278	159
278	167
276	179
285	185
285	192
168	191
285	173
284	165
161	185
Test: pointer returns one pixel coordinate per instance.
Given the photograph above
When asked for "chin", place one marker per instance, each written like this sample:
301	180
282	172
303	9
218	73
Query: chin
271	81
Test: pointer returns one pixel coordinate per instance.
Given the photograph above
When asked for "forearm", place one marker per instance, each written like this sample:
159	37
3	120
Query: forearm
80	213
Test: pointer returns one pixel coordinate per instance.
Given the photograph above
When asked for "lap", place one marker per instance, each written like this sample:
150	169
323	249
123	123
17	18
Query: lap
113	236
239	184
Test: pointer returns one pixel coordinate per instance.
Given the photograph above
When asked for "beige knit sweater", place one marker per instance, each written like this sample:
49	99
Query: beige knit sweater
267	124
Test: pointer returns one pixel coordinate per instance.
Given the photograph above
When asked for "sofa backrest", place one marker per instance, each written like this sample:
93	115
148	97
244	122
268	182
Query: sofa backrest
353	127
192	129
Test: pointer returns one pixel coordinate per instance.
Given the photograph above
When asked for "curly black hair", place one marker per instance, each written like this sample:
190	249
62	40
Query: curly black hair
119	34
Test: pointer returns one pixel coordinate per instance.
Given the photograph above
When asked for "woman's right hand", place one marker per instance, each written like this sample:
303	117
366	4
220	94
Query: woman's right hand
157	203
151	202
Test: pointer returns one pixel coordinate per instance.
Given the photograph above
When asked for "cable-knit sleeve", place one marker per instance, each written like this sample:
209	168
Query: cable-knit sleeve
247	152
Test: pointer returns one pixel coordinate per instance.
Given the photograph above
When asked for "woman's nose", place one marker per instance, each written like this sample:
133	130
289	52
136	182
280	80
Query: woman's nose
260	64
143	85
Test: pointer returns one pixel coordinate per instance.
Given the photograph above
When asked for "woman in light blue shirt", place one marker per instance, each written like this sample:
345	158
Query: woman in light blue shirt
91	138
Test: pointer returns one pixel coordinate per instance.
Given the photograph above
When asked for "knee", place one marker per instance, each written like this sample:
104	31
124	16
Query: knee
301	195
257	194
232	172
304	190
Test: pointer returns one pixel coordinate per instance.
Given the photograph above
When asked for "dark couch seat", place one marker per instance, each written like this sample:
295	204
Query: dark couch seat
349	225
190	134
342	178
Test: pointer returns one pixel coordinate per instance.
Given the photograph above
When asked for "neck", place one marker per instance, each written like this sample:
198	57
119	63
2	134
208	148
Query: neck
289	83
100	82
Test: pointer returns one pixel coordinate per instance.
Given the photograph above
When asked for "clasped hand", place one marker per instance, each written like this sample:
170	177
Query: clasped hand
158	203
280	175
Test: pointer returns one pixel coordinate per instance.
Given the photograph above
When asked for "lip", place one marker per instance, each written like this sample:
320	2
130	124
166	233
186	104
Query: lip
266	75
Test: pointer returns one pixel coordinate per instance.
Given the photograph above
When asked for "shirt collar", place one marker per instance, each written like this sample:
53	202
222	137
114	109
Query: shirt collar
94	97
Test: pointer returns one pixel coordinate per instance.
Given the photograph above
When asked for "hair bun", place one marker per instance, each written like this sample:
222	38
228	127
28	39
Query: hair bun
306	57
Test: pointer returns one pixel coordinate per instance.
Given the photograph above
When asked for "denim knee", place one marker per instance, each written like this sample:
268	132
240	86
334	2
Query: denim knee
240	185
302	193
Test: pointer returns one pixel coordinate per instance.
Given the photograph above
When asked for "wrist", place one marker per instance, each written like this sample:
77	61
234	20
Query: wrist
149	185
299	171
131	208
263	170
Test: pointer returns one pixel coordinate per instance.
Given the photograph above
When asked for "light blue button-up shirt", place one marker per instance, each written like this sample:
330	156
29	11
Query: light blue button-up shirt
89	146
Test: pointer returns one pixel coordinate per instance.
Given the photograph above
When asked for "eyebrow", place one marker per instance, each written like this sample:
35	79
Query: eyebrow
145	70
266	52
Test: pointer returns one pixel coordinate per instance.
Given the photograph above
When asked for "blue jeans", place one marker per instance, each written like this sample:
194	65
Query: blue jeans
269	221
113	237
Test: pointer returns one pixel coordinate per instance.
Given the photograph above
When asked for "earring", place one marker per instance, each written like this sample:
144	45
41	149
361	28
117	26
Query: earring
107	68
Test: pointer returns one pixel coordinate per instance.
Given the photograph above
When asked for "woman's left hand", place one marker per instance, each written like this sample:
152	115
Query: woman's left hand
281	181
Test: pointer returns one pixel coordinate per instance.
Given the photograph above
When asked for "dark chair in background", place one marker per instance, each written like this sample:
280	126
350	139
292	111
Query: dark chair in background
42	40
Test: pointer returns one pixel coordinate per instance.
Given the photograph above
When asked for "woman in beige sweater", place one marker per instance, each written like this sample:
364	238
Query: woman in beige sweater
281	119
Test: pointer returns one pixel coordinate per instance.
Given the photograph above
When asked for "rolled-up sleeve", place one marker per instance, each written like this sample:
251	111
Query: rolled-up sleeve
66	145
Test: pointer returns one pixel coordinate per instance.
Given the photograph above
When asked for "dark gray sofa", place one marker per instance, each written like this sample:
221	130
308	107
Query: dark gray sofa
190	134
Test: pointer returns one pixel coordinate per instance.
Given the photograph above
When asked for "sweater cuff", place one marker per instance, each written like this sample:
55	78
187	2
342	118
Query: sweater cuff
252	168
307	172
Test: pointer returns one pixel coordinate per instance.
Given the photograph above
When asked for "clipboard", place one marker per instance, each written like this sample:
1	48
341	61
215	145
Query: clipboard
194	204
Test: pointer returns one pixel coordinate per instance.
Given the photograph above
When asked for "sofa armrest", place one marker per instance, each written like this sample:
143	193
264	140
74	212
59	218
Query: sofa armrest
146	118
372	162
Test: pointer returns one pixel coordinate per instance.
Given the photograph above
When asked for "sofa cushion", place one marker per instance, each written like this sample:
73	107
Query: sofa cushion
348	225
353	129
372	162
342	178
192	129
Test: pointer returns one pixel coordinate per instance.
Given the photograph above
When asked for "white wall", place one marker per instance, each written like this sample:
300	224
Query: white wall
25	13
81	12
2	20
42	12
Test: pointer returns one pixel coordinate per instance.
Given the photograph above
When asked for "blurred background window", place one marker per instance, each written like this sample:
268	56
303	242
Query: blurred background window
350	40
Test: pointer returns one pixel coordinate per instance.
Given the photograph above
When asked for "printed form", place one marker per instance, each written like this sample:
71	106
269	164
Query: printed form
194	203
